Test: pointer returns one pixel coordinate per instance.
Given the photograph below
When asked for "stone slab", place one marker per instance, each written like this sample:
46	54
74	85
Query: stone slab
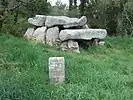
73	46
101	43
56	70
39	34
64	46
80	22
29	33
59	20
38	20
67	22
52	35
84	34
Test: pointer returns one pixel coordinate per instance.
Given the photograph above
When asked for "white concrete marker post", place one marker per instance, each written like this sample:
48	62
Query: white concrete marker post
56	70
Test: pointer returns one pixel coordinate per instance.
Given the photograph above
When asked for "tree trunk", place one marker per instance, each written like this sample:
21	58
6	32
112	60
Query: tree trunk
1	24
16	17
70	4
82	7
75	2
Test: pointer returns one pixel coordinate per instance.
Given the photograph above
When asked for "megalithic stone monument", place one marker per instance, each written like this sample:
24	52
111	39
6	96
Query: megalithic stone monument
65	33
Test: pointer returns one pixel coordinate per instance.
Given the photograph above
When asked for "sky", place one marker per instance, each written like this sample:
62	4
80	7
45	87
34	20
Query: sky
63	1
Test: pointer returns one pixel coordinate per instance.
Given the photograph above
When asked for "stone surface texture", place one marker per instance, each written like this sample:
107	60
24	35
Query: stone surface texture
52	35
64	46
56	70
38	20
85	27
85	34
101	43
73	46
80	22
29	33
39	34
59	20
64	32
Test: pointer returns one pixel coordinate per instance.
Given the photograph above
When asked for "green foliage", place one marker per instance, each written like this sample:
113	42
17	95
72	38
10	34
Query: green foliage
15	28
125	24
36	7
59	9
4	3
113	15
14	14
73	13
99	73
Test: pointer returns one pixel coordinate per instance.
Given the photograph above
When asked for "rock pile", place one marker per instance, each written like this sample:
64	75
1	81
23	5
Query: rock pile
69	32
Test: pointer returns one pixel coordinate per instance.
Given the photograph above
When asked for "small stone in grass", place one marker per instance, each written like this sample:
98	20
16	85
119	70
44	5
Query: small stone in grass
56	70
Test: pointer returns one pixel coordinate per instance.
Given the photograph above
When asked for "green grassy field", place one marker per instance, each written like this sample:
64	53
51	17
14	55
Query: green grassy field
99	73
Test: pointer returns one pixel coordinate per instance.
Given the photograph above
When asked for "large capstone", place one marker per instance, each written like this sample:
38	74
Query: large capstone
66	22
80	22
29	33
84	34
39	34
59	20
38	20
52	35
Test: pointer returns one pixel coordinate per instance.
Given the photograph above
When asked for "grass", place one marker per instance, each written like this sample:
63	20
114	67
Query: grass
99	73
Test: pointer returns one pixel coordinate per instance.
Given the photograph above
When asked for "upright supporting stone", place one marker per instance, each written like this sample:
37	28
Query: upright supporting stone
29	33
95	41
64	46
56	70
39	34
73	46
52	35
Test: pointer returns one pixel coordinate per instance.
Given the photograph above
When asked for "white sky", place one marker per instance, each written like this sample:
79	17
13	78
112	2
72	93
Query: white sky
63	1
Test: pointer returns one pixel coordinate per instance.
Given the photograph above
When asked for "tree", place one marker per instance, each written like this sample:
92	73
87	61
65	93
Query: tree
113	15
5	9
70	4
14	14
82	6
59	9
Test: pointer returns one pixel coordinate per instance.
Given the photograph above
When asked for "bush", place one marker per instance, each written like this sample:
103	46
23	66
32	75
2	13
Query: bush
15	28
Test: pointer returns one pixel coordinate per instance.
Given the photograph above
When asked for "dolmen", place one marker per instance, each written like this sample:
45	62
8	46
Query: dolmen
70	34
